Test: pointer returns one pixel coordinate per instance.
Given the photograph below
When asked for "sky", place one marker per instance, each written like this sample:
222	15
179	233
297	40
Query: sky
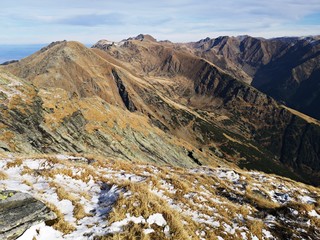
87	21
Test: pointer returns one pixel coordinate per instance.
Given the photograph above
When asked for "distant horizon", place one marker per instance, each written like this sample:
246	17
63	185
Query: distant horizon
165	39
34	21
9	52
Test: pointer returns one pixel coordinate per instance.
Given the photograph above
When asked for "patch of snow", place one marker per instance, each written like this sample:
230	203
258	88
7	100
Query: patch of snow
41	232
313	213
228	175
254	237
307	199
295	212
35	163
16	185
267	234
66	208
166	231
229	229
158	219
279	197
168	186
148	230
130	177
244	236
116	227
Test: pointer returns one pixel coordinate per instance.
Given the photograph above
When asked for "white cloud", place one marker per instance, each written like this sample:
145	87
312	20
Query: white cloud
179	20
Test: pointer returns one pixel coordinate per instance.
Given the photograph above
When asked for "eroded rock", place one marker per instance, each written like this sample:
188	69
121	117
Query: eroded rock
19	211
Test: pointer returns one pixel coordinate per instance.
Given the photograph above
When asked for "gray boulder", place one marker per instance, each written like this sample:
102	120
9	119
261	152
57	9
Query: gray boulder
19	211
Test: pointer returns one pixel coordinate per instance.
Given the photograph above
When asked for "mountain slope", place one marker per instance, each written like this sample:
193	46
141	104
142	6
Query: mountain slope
143	140
284	68
51	121
173	93
263	122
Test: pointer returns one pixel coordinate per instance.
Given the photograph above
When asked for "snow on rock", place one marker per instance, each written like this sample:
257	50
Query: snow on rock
228	175
108	196
279	197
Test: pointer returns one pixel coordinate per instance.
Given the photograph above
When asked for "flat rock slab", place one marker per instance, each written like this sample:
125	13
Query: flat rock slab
19	211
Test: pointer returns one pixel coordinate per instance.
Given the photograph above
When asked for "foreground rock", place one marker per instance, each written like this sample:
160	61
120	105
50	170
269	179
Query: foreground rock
19	211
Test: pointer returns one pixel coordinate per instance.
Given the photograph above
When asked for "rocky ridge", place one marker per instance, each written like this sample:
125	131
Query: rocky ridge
284	68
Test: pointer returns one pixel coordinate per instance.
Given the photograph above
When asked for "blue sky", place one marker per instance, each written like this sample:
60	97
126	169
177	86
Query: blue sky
87	21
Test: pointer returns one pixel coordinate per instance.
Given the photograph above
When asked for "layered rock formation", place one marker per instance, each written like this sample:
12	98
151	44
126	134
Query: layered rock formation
19	211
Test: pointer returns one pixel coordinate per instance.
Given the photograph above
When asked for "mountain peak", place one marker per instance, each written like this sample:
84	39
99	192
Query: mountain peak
52	45
144	37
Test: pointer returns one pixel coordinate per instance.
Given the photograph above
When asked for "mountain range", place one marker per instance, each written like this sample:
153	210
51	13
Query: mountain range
178	91
230	101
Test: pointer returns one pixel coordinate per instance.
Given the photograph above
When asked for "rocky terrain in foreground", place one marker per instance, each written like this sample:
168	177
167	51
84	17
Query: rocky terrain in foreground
95	198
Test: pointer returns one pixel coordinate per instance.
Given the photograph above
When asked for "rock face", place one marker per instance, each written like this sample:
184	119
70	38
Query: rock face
285	68
19	211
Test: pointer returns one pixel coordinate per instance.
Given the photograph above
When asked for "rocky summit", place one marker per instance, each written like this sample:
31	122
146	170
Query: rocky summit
147	139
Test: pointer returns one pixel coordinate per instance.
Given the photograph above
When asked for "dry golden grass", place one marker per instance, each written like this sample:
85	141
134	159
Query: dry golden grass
204	190
78	210
244	210
60	224
27	170
259	200
149	204
305	117
302	207
3	175
28	183
15	163
256	227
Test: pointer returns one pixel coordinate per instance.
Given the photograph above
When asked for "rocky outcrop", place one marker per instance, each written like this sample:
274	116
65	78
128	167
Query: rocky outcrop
123	92
19	211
